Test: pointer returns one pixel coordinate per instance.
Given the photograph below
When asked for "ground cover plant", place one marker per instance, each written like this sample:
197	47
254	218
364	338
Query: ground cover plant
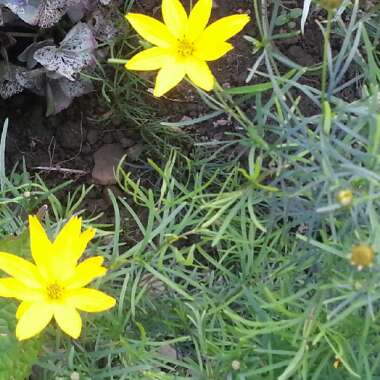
239	229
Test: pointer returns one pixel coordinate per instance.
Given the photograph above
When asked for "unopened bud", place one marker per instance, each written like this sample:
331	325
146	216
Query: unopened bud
74	376
235	365
337	363
362	256
345	197
330	5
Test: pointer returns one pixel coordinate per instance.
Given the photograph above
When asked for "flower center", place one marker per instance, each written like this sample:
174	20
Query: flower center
185	48
54	291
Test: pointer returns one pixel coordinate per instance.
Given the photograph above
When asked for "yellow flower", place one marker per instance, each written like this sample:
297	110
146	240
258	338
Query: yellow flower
55	285
183	44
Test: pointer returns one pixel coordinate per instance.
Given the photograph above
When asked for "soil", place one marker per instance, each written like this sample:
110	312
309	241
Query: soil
70	139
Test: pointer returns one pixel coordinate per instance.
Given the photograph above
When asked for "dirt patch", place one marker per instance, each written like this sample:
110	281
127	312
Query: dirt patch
70	139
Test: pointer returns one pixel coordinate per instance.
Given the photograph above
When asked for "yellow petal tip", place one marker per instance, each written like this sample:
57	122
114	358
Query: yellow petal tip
245	19
127	16
112	303
157	94
131	16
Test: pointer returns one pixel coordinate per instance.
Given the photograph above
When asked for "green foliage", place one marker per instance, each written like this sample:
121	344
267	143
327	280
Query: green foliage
232	261
16	358
19	196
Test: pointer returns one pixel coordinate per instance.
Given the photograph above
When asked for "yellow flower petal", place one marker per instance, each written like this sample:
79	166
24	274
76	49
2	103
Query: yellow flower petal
175	17
85	272
12	288
68	236
40	245
169	76
22	308
90	300
224	29
20	269
84	238
199	18
199	73
151	30
68	319
212	52
150	59
68	248
33	320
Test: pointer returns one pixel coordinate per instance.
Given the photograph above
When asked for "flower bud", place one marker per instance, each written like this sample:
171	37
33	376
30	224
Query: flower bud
330	5
362	256
345	197
235	365
337	363
74	376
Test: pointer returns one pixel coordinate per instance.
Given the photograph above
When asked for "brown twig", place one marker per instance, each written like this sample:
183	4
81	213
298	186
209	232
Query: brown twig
61	170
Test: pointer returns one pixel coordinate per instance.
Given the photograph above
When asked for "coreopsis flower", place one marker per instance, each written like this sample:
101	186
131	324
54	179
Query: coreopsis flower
183	44
362	256
55	286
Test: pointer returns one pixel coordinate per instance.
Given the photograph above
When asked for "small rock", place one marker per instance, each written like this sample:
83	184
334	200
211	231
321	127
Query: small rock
134	152
106	160
168	352
92	136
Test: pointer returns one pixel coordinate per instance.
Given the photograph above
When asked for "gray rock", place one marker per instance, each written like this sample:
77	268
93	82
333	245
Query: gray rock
106	160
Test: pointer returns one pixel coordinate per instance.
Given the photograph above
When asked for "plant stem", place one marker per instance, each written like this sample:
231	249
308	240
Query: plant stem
117	61
234	111
325	54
